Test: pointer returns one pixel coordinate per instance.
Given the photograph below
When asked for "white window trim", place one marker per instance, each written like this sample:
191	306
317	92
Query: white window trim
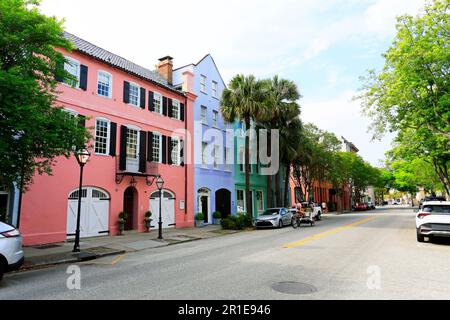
201	83
138	140
110	83
72	60
256	194
227	156
156	133
237	200
216	166
215	125
204	165
108	138
216	94
179	108
160	102
139	95
71	112
204	121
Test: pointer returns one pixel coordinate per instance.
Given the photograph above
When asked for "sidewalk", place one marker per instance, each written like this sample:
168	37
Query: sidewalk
94	248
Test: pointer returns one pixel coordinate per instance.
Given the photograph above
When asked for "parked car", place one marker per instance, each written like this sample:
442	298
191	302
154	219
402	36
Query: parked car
360	207
11	253
370	205
273	218
396	202
433	220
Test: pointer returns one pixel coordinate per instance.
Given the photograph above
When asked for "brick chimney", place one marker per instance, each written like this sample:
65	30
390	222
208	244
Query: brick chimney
165	68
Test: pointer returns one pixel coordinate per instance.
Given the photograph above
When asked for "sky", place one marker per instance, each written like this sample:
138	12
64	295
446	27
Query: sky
323	46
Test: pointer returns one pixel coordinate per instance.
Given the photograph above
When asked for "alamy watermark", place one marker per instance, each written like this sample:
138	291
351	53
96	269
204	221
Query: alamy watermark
73	282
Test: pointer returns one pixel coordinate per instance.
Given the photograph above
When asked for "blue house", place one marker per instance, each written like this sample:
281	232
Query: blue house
213	141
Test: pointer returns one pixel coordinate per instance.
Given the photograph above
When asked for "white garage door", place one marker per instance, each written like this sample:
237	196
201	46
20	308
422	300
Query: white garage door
94	218
167	209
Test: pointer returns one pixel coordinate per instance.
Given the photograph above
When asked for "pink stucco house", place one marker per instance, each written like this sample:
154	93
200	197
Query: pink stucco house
140	123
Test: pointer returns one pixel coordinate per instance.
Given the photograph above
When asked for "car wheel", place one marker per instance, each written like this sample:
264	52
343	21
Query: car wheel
280	224
319	216
2	269
420	238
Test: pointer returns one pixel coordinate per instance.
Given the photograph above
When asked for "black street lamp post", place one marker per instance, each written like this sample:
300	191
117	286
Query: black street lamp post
160	184
82	158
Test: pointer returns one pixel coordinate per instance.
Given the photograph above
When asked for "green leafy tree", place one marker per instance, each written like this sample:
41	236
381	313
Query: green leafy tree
411	95
245	99
33	131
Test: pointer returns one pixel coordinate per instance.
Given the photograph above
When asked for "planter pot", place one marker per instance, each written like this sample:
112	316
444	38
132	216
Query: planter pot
148	224
121	227
199	223
217	221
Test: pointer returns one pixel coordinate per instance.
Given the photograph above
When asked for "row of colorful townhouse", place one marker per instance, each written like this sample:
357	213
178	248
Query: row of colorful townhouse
141	121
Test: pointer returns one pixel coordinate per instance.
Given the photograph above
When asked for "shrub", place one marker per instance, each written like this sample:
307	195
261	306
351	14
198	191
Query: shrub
331	206
236	222
200	216
217	215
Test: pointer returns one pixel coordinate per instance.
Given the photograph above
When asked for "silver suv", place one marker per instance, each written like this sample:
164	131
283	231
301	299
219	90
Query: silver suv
11	253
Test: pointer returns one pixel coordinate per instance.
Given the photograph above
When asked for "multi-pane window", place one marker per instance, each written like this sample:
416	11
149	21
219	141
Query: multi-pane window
101	137
215	118
175	151
73	67
241	160
240	200
259	201
176	109
156	147
134	94
132	144
203	83
204	158
216	156
203	114
214	89
104	84
157	101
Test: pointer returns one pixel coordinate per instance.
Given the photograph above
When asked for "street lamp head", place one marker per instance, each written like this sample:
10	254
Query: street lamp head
159	183
82	156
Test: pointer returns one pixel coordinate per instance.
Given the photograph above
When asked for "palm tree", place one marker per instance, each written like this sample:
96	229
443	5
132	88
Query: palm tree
245	99
284	109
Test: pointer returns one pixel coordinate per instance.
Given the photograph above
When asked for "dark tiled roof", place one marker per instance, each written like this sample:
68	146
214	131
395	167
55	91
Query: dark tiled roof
114	60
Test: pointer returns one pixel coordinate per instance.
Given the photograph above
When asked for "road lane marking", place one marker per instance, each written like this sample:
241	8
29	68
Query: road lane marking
118	259
326	233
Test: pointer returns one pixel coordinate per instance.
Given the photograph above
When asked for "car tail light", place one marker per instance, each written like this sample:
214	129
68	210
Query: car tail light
423	215
11	234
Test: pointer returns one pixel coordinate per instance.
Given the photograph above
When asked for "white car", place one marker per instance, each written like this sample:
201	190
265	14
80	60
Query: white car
433	220
11	253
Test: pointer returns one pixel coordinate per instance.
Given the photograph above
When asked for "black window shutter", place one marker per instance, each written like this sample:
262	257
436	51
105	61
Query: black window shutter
165	106
83	77
164	149
150	146
126	92
169	150
81	121
123	148
143	152
182	153
112	139
142	98
170	108
151	101
182	111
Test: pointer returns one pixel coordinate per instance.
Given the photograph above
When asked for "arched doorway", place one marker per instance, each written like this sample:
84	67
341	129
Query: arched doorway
223	202
204	202
130	206
167	208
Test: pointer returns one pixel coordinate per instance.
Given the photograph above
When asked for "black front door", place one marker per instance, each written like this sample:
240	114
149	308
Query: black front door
204	200
223	202
128	207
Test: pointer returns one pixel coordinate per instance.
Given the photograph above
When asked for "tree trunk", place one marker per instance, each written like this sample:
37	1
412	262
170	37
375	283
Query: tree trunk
442	172
248	197
286	186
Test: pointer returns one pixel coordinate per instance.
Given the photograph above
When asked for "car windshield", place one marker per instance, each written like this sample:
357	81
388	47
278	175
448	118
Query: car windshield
270	212
436	209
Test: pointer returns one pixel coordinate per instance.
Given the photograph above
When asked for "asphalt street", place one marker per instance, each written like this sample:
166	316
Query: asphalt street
371	255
